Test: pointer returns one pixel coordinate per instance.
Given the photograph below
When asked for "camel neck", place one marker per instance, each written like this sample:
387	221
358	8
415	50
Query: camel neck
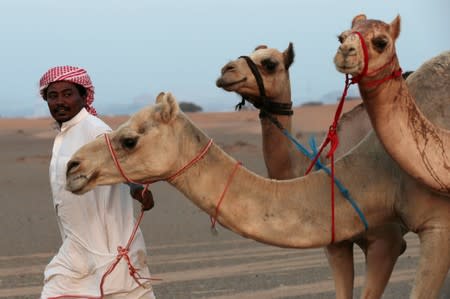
282	159
293	213
407	134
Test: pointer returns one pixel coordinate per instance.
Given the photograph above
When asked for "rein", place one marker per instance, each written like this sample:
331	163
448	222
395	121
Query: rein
200	155
197	158
333	139
332	136
123	251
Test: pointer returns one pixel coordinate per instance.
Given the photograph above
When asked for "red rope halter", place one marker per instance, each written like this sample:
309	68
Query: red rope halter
169	178
396	73
332	136
201	154
123	251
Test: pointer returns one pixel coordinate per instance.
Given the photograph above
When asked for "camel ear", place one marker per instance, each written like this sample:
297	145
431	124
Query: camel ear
260	47
168	108
358	19
160	97
288	56
394	28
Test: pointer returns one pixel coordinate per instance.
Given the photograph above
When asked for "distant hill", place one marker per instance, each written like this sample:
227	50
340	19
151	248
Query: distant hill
333	96
311	103
190	107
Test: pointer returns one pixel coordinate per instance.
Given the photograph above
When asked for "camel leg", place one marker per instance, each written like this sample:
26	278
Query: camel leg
340	258
382	247
434	262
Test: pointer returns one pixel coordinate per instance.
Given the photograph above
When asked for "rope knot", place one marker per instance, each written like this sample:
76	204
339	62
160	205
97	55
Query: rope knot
122	251
334	140
239	105
397	73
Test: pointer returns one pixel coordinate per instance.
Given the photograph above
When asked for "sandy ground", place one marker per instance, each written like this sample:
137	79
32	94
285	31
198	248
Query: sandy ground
191	262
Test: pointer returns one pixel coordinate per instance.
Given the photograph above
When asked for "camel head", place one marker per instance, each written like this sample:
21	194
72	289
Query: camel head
146	146
273	66
379	39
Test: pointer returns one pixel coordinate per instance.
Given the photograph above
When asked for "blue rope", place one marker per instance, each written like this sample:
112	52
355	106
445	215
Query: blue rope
319	165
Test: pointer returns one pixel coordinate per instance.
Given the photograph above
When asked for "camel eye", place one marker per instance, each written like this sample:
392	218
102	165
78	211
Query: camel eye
129	142
380	43
340	38
269	64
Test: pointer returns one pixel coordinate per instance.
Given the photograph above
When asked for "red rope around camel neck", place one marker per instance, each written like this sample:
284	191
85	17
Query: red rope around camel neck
222	195
197	158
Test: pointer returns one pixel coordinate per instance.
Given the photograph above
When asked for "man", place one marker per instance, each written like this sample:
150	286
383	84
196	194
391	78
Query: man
92	225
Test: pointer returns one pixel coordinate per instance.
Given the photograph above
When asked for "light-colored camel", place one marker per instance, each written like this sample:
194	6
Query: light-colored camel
160	140
285	161
420	145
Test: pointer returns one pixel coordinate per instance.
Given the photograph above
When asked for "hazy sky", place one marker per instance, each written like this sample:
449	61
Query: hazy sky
136	48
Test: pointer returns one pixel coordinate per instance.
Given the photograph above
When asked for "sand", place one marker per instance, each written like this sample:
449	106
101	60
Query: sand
191	262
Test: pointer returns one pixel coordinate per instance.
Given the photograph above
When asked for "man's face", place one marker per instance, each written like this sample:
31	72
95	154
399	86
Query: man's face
64	101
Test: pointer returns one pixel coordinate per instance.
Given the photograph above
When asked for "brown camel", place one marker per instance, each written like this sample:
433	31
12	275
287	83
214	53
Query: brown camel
284	161
160	141
420	145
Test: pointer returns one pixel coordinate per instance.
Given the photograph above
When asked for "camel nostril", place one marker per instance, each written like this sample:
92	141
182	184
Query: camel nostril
72	166
347	51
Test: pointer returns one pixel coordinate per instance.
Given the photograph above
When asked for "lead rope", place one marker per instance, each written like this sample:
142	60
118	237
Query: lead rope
332	136
123	251
170	178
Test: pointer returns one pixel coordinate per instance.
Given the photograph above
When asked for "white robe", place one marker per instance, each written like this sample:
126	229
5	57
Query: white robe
92	225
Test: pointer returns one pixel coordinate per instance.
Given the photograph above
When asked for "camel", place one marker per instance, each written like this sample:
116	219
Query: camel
418	144
284	161
160	142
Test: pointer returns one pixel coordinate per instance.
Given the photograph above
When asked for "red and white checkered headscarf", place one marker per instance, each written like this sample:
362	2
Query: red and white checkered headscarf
70	74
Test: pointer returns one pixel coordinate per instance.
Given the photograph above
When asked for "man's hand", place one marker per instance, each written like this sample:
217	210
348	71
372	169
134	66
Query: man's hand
145	199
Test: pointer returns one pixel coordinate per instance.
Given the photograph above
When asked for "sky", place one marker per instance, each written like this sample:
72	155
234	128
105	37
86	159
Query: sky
135	49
